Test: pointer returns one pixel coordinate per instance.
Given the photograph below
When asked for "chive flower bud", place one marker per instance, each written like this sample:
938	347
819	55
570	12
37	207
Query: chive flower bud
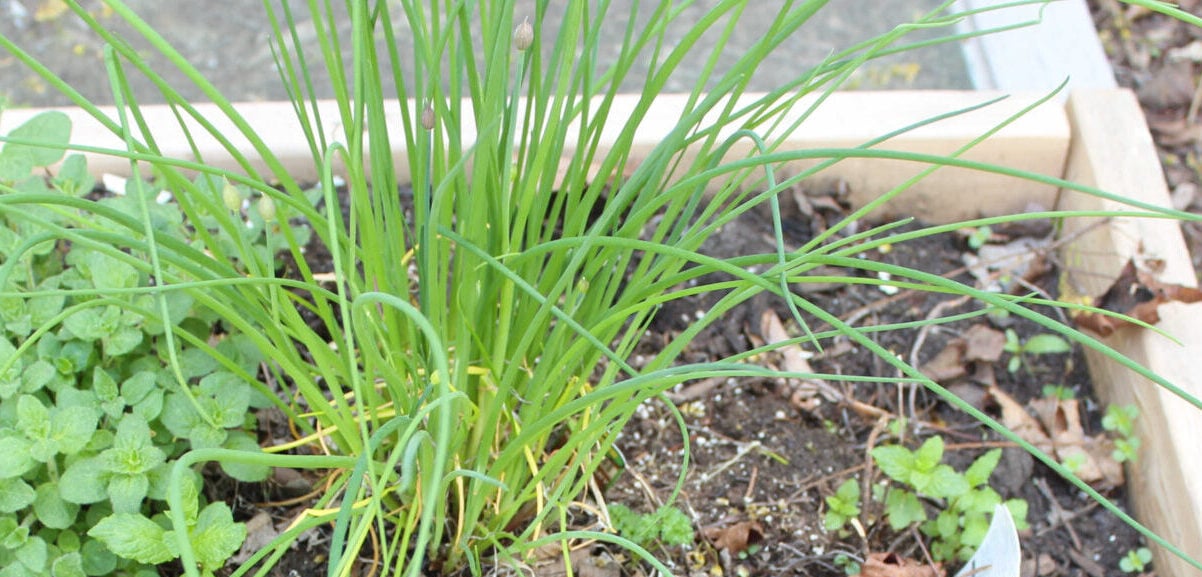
523	35
231	197
428	117
267	208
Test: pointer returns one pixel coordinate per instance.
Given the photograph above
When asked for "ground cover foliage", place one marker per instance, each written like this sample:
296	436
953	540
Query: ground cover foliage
469	374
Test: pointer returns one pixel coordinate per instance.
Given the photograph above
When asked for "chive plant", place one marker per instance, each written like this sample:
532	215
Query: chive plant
468	373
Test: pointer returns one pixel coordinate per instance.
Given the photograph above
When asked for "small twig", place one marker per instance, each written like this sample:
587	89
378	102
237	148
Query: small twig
755	472
925	553
1058	512
1191	115
936	312
866	480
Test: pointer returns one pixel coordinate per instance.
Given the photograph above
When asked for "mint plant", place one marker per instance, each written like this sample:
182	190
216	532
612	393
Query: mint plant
1136	560
95	400
920	476
1041	344
212	532
843	506
1120	421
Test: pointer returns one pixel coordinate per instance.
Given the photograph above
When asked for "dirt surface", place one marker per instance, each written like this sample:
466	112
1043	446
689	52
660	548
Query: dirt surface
765	453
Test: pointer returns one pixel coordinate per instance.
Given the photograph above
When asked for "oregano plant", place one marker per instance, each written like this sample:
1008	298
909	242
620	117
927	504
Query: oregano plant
95	401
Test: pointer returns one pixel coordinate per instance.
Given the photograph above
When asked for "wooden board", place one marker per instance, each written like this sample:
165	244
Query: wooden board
1037	142
1112	150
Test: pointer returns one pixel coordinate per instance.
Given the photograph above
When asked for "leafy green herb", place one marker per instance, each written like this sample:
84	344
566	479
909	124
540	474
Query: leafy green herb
842	506
1041	344
958	529
1136	560
666	525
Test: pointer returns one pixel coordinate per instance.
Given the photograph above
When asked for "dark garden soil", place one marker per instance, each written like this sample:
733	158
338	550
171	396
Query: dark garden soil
766	452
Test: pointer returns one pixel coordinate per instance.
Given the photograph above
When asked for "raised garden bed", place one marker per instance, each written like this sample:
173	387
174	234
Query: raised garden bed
1077	141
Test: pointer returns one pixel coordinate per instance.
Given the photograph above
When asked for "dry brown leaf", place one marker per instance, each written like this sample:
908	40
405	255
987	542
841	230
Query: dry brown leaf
1134	293
735	538
806	392
984	344
600	565
1040	566
259	533
1173	131
948	364
1016	418
1172	86
894	565
1059	433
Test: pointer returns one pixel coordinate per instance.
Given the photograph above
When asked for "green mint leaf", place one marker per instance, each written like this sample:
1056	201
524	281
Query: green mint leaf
929	455
10	380
1046	344
68	565
51	509
92	324
230	397
138	386
122	341
944	482
245	472
97	559
72	428
181	418
849	491
981	500
216	536
975	526
107	393
978	473
196	363
127	492
33	554
15	495
37	375
904	509
73	178
12	534
133	537
109	272
895	460
43	308
14	455
179	304
33	418
134	447
1018	510
833	520
947	524
83	482
17	161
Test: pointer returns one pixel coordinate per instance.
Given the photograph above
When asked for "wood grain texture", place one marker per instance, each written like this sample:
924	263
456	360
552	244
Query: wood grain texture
1113	150
1036	142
